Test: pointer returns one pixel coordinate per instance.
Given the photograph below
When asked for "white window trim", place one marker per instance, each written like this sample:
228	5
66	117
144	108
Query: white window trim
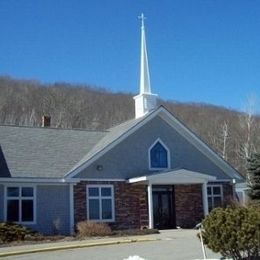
112	197
215	196
168	155
20	186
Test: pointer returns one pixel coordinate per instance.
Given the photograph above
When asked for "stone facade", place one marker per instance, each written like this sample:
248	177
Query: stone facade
188	205
130	204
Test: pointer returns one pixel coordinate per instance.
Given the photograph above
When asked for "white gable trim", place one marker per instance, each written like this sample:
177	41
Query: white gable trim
180	128
200	145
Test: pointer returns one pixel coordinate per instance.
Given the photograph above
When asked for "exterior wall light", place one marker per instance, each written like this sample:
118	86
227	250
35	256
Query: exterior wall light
99	167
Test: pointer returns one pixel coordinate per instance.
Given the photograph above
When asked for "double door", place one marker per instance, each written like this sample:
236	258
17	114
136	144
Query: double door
163	208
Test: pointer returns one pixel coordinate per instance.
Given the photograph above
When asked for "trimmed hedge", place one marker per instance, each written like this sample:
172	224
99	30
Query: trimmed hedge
233	231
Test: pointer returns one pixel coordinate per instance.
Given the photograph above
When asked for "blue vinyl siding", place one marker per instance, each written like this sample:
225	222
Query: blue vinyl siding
1	202
52	210
130	158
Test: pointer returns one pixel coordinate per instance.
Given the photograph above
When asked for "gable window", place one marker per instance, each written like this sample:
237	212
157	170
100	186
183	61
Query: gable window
100	203
158	155
215	196
20	204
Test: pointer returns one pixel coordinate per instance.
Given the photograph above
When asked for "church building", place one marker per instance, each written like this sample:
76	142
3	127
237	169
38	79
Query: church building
149	172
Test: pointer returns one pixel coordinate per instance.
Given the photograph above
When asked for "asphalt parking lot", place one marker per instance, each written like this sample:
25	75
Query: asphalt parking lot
170	244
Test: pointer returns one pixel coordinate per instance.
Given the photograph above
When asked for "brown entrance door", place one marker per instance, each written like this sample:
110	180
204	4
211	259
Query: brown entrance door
163	212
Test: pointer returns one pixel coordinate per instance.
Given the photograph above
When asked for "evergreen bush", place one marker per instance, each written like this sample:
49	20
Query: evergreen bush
13	232
254	178
233	232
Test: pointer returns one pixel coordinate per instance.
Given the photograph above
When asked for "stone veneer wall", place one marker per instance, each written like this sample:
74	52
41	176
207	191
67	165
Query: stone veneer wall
130	204
188	205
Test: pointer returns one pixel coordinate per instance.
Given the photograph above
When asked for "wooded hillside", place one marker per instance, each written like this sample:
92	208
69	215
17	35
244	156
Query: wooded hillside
232	134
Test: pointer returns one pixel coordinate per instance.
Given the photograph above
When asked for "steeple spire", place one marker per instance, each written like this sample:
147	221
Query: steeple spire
144	66
145	101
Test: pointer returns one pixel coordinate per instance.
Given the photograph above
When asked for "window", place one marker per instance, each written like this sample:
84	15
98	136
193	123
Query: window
215	197
100	203
20	204
158	155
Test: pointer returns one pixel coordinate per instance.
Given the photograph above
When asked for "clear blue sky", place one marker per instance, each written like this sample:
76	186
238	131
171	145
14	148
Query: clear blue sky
199	50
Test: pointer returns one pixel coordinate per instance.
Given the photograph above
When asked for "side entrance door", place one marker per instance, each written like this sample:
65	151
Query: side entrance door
163	207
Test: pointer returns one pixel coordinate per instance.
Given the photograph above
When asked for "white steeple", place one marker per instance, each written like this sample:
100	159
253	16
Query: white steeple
144	66
145	101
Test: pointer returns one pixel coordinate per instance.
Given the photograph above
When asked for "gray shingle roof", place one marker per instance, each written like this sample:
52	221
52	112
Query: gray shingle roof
51	152
44	152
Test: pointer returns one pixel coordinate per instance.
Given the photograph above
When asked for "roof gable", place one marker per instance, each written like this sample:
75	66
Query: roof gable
121	132
193	139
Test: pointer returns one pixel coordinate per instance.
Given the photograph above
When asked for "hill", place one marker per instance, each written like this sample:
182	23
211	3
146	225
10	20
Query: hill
233	135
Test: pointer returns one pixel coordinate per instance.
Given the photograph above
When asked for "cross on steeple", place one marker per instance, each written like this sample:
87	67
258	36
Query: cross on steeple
142	18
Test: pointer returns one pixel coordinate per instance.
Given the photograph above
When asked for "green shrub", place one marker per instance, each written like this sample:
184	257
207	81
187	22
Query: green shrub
13	232
88	228
233	231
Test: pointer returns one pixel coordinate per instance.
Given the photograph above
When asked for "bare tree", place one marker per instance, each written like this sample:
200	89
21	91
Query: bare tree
225	136
233	135
248	138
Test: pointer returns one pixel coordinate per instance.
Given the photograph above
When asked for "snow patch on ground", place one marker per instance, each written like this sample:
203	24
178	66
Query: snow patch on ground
134	257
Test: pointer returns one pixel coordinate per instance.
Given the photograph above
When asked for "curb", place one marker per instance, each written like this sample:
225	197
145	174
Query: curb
66	247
